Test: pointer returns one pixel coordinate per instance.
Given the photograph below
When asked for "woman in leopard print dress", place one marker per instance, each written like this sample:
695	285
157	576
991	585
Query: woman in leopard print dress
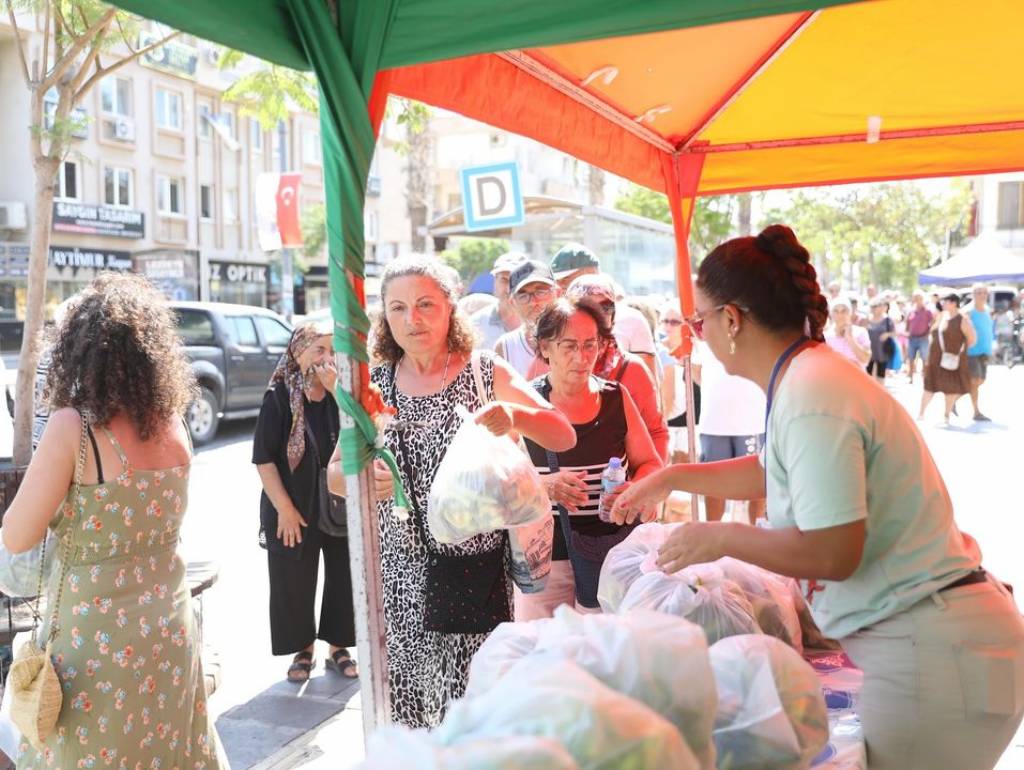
424	348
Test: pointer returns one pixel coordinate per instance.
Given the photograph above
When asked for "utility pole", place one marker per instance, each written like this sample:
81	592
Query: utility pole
287	265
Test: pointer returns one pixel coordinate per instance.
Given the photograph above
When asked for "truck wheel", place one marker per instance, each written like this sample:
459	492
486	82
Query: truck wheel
202	417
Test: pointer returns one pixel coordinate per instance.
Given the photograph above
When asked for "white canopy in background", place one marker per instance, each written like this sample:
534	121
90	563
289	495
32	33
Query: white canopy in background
983	259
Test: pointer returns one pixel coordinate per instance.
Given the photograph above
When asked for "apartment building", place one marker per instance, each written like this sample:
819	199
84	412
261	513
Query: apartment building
1001	208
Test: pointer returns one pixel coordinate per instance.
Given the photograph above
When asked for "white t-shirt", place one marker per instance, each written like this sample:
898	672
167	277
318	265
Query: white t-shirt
489	325
514	349
842	347
632	331
841	449
729	405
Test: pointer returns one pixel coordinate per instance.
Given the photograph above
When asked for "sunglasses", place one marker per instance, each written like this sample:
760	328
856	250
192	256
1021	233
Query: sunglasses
696	321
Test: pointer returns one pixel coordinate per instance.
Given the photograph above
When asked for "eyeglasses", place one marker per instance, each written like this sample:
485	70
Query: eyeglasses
696	321
526	297
672	321
571	347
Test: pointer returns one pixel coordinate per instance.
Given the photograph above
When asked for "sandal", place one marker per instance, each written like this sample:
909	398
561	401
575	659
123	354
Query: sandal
302	665
340	662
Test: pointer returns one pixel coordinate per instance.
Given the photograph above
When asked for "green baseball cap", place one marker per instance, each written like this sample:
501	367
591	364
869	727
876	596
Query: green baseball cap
572	257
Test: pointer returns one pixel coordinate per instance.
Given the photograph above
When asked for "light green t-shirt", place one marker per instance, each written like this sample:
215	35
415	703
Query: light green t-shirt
841	449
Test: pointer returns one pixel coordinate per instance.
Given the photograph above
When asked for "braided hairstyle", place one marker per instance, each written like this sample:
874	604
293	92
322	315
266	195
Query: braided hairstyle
770	275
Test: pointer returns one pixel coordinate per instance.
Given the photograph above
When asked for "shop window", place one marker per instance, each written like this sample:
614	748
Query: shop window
195	327
117	186
1011	206
67	186
242	331
168	109
206	201
255	135
275	333
116	96
203	117
169	199
311	147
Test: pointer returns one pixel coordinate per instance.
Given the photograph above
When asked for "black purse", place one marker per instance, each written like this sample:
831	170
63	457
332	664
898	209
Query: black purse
332	511
586	552
465	593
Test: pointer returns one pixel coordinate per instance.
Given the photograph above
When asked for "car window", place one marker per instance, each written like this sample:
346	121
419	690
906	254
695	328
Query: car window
242	331
195	327
275	333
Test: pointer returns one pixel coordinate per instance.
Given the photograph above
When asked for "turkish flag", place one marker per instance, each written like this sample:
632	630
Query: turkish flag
288	210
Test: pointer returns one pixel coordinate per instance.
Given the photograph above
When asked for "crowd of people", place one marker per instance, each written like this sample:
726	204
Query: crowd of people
793	419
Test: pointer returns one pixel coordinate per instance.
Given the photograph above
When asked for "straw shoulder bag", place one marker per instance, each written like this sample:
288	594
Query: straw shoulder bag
35	689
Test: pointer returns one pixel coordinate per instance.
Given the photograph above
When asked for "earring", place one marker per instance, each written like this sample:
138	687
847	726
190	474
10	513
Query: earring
732	346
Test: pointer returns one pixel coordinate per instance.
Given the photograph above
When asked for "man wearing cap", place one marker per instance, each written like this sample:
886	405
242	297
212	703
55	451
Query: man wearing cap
491	322
532	288
631	329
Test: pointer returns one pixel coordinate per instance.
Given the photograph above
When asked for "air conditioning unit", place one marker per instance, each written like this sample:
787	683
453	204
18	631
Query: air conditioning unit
124	130
12	216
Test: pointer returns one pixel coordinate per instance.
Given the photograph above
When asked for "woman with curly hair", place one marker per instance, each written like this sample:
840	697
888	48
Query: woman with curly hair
126	647
858	511
436	620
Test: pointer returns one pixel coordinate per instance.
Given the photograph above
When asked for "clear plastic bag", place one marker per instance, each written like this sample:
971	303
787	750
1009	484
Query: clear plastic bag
19	572
720	607
633	557
770	595
485	482
771	711
659	660
600	728
399	748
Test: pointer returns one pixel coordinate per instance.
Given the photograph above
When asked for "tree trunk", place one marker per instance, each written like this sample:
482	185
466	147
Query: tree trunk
42	216
744	213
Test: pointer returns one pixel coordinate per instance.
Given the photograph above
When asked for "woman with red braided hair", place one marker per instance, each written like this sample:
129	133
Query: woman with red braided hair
858	512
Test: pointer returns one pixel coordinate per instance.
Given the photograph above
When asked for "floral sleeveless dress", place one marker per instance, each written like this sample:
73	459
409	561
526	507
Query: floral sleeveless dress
127	649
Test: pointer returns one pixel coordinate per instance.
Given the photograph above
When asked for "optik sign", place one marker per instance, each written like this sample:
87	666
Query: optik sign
491	197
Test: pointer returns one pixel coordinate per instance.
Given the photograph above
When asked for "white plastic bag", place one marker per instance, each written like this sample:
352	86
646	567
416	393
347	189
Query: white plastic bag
530	546
630	559
399	748
771	711
659	660
19	572
600	728
720	608
770	595
485	482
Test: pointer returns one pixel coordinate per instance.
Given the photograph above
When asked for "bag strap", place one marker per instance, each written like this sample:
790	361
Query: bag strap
478	377
76	489
563	514
622	369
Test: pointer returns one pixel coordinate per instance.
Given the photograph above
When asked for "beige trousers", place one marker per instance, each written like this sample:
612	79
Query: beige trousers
560	589
943	681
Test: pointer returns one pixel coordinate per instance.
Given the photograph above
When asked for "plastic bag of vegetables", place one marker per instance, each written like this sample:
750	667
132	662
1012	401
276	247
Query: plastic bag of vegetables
719	607
659	660
399	748
485	482
771	711
630	559
600	728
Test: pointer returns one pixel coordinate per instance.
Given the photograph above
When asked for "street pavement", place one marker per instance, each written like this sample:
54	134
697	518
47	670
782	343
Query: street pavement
267	723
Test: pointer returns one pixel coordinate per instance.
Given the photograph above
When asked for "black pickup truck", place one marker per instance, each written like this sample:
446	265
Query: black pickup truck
234	350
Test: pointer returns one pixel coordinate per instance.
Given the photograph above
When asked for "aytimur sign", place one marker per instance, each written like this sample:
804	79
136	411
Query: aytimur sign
491	197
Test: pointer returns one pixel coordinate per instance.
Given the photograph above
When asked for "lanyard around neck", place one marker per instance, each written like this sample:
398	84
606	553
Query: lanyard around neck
787	354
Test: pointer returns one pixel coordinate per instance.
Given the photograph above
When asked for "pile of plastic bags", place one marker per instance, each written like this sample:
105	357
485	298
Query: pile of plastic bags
771	711
487	482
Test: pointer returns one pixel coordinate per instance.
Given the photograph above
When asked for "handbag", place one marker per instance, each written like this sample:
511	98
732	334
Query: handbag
586	552
332	511
948	361
464	593
33	682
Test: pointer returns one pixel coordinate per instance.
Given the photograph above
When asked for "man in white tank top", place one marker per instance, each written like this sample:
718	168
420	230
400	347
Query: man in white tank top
533	288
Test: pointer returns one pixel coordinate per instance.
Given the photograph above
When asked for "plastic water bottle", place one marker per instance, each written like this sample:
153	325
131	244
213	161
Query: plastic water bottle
613	477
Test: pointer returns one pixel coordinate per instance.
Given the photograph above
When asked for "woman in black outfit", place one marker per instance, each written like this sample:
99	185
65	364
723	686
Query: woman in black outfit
295	436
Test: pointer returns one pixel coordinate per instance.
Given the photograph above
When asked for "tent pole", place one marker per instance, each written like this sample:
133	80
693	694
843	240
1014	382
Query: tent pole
683	172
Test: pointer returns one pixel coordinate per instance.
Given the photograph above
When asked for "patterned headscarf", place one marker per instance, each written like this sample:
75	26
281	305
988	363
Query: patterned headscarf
290	373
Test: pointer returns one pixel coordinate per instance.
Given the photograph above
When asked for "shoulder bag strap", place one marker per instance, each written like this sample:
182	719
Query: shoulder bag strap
65	554
478	377
622	368
563	514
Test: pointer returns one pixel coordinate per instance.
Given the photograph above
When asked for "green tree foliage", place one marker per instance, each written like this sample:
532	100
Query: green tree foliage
268	92
886	232
712	219
474	256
